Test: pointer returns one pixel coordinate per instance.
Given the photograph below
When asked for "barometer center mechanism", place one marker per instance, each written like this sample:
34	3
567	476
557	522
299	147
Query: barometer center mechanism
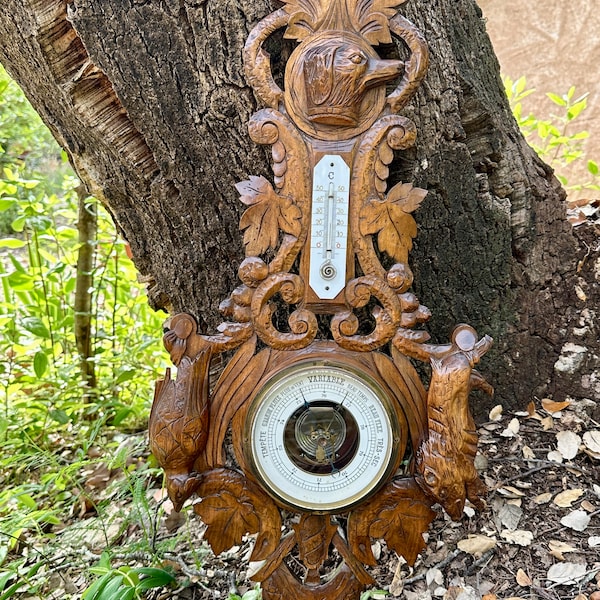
322	436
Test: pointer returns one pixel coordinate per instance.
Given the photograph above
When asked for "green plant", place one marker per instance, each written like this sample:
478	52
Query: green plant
59	420
124	583
554	139
253	594
374	595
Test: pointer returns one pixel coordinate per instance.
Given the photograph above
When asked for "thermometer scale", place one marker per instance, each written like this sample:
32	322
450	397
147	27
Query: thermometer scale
329	226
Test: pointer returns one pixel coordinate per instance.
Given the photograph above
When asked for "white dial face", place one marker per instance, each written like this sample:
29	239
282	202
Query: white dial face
320	436
329	226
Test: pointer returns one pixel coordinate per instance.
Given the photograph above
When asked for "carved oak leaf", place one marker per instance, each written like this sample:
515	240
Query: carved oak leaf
399	514
391	220
267	214
371	19
232	506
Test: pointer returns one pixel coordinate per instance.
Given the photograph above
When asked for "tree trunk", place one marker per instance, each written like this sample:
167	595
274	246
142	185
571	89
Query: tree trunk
150	101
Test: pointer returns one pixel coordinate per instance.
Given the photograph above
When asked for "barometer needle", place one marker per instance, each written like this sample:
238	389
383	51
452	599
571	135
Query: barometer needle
306	404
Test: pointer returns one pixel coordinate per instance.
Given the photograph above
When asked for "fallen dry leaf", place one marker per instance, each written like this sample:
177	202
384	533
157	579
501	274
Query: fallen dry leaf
591	439
508	491
547	423
512	428
523	579
532	412
434	577
588	506
568	444
528	453
566	572
595	595
496	413
557	549
510	515
554	407
477	544
555	456
543	498
577	520
565	499
522	537
594	541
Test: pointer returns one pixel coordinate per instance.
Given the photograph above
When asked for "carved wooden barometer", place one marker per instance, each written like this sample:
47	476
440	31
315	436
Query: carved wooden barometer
319	437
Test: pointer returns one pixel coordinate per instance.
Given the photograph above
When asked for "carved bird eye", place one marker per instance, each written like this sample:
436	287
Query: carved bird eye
357	58
430	477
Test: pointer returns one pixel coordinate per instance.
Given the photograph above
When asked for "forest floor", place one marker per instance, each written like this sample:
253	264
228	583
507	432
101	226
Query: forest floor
538	537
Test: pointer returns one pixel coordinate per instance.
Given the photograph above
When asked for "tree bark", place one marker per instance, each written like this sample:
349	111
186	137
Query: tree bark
150	101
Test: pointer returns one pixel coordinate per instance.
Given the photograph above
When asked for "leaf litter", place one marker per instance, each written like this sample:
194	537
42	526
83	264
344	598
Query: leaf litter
538	537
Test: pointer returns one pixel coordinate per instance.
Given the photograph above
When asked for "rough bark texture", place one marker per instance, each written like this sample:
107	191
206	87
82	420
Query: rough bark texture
150	101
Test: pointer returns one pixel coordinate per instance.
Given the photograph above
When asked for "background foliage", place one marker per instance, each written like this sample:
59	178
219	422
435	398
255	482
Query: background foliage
57	425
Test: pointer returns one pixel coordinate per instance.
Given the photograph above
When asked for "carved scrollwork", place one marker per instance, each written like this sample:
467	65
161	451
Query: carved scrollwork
302	322
375	213
344	325
415	68
257	64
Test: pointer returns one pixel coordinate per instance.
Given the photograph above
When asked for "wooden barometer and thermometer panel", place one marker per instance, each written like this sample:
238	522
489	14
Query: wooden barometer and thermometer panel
320	437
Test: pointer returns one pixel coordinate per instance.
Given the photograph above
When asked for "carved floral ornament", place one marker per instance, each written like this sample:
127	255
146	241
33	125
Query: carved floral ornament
319	437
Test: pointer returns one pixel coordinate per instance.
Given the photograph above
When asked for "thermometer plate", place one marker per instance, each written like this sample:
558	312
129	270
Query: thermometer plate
329	226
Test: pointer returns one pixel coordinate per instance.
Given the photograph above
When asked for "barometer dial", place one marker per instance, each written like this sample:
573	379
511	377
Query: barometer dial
322	436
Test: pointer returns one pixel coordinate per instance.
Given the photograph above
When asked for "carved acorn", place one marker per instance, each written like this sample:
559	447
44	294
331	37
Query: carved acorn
178	425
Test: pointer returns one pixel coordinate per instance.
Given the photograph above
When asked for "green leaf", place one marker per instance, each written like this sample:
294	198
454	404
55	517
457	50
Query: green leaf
60	416
592	167
154	578
5	578
36	326
120	416
575	110
560	101
40	363
7	204
19	223
127	595
11	590
27	501
10	242
114	584
126	375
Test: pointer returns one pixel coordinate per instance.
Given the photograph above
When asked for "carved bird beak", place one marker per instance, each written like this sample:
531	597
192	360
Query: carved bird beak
380	71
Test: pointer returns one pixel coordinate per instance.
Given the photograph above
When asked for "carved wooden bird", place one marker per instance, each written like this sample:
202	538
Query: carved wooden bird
178	425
